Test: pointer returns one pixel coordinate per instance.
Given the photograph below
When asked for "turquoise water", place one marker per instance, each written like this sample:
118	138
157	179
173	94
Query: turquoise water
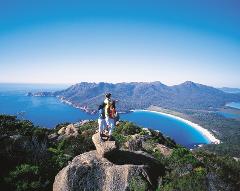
235	105
49	111
178	130
229	115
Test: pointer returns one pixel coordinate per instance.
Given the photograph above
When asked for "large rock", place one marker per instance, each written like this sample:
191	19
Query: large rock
109	169
53	136
90	171
163	149
103	147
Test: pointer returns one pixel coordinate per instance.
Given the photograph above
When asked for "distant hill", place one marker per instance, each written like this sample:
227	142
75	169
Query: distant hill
230	90
141	95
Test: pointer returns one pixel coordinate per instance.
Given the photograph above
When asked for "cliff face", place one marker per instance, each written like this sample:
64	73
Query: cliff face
109	169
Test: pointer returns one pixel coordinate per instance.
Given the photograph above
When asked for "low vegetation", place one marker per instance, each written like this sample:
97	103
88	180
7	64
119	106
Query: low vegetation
227	130
30	158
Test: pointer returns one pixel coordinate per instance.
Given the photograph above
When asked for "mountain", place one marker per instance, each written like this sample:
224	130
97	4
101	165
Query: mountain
230	90
141	95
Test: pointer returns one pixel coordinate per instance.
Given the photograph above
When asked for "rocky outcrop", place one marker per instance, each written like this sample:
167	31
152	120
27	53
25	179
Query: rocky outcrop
139	142
103	148
163	149
69	131
108	169
53	136
134	143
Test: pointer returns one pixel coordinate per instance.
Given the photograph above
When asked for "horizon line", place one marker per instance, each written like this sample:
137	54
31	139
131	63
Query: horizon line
70	84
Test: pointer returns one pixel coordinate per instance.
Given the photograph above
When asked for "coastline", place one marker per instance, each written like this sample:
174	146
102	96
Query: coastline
82	108
206	133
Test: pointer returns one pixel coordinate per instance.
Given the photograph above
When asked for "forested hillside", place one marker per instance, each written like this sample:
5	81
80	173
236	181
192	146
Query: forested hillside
188	95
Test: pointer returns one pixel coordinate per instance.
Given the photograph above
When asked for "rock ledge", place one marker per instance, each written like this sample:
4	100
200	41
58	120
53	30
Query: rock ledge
108	169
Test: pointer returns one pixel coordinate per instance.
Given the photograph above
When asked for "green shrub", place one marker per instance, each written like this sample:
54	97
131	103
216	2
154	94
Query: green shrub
89	126
182	156
25	177
120	139
77	145
225	168
127	128
194	181
123	131
59	159
138	184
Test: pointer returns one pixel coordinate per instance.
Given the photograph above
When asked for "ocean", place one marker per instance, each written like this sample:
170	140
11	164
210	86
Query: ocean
231	114
50	111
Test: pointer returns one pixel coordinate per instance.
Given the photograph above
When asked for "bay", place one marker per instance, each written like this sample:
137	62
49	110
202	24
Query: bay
50	111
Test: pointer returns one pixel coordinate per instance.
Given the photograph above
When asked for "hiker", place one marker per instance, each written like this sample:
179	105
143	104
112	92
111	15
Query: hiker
111	120
114	112
110	114
101	120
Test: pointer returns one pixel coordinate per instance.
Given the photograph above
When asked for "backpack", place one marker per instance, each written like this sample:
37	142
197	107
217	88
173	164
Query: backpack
112	113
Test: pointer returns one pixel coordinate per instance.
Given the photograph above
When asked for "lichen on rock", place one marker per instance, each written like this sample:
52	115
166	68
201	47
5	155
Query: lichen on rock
108	169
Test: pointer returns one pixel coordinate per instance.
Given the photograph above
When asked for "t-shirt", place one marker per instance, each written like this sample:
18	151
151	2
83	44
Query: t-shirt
108	103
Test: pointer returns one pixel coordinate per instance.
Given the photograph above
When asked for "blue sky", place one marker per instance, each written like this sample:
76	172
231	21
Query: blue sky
115	41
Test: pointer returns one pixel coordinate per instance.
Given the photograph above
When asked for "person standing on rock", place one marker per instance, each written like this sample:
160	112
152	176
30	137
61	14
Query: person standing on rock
110	114
101	120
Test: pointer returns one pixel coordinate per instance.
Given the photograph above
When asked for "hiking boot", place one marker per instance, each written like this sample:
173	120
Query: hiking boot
110	138
101	139
103	135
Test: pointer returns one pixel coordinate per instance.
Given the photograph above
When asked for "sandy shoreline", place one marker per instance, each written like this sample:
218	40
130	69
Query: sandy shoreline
203	131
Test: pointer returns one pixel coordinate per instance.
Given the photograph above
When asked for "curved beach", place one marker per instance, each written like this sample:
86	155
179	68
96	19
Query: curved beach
203	131
206	133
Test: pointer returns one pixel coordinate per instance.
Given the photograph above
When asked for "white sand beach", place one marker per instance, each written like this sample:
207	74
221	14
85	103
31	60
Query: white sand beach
203	131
